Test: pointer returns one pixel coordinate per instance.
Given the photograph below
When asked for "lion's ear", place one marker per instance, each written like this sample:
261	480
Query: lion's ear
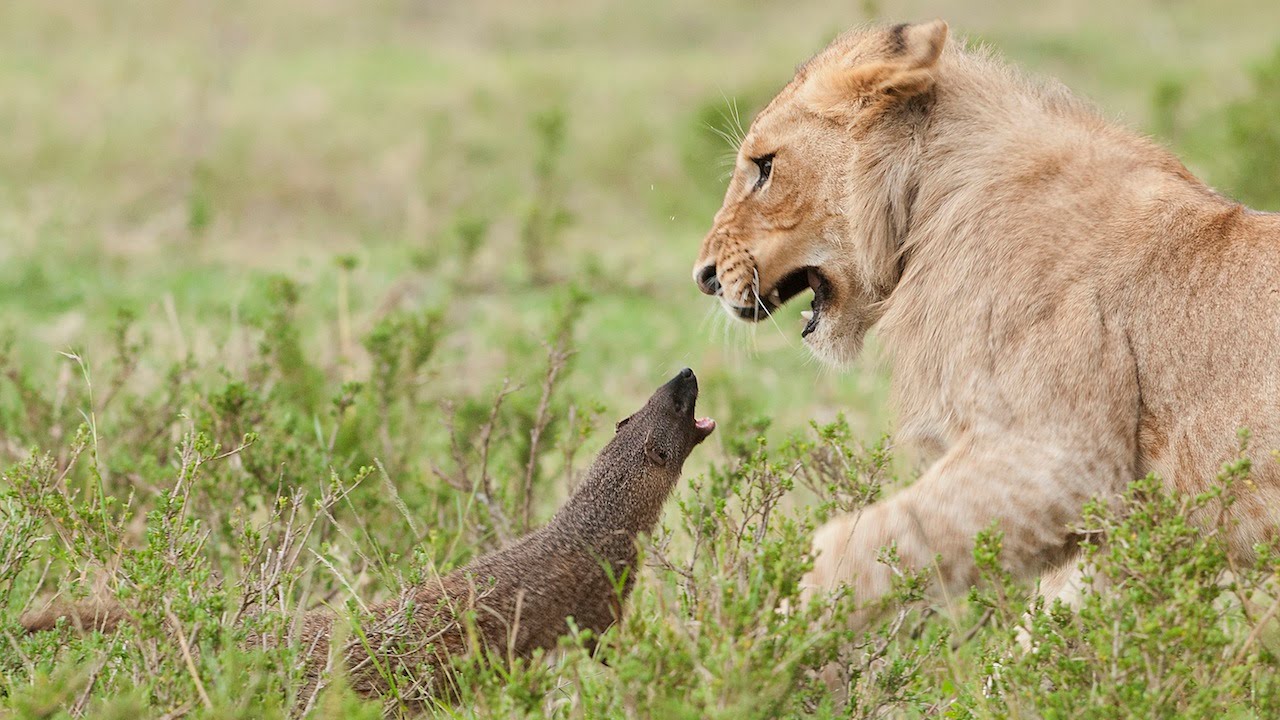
908	70
922	44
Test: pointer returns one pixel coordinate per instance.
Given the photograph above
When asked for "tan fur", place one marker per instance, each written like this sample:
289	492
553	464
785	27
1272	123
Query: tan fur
1065	306
84	616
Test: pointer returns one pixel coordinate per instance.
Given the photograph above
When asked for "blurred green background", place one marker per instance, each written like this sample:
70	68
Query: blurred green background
340	227
492	161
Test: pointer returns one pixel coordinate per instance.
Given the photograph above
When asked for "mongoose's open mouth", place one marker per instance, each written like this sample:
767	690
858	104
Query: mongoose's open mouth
683	391
704	426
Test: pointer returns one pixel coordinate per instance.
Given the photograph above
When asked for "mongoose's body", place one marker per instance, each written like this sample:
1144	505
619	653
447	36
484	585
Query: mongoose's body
520	598
580	566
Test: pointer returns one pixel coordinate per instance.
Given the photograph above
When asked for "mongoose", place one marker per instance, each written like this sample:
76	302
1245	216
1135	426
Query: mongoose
519	598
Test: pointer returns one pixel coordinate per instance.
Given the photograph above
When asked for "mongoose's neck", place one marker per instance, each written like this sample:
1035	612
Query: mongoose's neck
615	498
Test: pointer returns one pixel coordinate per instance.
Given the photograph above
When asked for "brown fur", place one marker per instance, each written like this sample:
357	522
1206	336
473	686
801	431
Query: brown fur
1065	306
511	602
84	616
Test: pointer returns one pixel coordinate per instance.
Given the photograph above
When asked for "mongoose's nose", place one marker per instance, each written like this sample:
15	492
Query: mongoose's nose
683	390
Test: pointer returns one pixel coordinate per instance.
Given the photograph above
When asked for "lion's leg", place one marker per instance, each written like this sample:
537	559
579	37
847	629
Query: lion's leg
1066	583
1032	492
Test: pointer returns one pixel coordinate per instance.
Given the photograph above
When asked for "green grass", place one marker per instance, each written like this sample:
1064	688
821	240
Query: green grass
337	230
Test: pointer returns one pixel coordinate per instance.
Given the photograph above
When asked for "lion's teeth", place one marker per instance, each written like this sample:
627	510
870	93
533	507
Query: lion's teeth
775	297
806	314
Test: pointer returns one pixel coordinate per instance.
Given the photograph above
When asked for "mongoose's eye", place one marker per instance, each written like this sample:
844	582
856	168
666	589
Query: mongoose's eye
765	164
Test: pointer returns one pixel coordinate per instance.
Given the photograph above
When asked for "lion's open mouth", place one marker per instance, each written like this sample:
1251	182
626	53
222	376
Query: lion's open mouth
791	285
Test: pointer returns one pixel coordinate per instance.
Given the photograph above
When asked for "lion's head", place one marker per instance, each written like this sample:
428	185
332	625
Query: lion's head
821	192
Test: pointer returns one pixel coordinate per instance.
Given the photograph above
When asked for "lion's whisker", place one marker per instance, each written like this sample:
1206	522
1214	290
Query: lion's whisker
732	119
737	121
759	305
725	135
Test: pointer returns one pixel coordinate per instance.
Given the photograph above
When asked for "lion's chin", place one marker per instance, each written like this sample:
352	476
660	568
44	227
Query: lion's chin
834	339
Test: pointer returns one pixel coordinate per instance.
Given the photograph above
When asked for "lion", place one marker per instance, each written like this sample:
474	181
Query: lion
1064	307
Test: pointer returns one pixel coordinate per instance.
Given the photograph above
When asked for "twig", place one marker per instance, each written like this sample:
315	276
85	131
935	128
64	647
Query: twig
397	500
347	584
186	656
178	712
486	433
957	643
77	709
557	357
171	314
1256	632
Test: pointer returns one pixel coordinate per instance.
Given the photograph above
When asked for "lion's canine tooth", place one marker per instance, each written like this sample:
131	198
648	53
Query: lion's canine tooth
806	314
775	297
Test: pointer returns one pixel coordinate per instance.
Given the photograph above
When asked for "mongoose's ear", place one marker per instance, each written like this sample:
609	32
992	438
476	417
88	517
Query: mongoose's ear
656	455
622	422
839	91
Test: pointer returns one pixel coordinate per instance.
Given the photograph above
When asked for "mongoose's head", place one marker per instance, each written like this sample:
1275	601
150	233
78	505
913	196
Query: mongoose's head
663	432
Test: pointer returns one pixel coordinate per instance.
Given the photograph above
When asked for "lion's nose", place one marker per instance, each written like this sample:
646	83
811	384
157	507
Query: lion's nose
708	283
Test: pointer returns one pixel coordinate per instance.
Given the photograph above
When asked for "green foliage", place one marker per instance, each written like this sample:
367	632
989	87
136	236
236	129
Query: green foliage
1254	138
284	360
1169	631
1167	103
709	145
199	201
212	412
230	532
546	217
266	505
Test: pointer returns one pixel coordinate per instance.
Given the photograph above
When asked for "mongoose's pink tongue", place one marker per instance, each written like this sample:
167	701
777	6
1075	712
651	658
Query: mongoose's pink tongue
704	425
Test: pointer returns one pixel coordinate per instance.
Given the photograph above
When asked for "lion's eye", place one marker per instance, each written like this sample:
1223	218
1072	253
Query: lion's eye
765	163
